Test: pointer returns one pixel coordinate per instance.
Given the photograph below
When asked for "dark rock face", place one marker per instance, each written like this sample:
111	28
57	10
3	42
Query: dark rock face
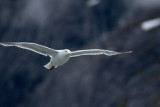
129	80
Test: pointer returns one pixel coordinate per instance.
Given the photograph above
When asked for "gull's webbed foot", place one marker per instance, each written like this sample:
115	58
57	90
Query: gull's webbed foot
52	68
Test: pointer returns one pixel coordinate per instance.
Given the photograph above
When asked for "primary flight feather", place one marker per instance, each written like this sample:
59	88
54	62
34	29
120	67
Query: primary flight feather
59	57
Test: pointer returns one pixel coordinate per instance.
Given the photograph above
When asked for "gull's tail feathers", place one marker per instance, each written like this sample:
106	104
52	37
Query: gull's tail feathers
49	66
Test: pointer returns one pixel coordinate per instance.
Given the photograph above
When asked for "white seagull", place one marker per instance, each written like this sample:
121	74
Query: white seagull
59	57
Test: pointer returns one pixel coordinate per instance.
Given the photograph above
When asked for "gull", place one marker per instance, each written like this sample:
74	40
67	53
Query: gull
59	57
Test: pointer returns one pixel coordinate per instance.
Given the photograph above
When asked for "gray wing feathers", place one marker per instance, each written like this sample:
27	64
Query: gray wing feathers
95	52
31	46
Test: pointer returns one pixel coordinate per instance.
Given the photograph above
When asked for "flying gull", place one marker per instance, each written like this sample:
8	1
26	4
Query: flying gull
59	57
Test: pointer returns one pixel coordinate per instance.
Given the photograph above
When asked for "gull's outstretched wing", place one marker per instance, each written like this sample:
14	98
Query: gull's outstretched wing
33	47
95	52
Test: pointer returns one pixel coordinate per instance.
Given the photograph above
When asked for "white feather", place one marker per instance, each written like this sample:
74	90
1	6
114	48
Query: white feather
95	52
32	47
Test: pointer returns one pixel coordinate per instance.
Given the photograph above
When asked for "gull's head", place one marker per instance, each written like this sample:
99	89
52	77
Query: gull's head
67	51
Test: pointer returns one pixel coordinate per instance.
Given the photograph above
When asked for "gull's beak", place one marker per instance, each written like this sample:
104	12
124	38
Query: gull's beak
69	53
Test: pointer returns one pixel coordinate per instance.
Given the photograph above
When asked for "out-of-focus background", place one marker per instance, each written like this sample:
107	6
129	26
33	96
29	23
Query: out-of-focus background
128	80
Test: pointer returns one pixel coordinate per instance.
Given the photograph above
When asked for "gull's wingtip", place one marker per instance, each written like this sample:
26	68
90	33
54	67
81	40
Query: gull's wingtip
2	43
6	43
127	52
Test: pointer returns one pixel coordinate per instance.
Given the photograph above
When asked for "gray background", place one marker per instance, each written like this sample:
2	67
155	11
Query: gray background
129	80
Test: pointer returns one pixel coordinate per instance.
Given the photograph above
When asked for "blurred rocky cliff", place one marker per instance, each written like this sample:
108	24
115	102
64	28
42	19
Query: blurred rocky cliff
130	80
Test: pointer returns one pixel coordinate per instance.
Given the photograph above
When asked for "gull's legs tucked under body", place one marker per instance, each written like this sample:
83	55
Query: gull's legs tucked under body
59	57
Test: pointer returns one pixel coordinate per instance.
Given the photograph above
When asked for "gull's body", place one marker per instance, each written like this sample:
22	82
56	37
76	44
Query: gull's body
58	57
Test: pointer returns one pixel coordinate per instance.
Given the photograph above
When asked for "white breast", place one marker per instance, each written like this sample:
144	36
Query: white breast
60	59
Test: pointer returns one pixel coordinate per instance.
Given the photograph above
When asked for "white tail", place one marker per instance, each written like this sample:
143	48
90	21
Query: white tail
48	66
